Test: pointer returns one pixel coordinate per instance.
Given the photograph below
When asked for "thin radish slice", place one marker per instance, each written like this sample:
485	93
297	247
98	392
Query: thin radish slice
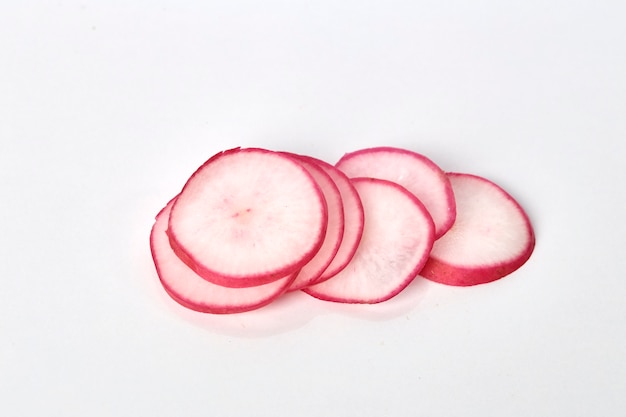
334	231
195	292
415	172
397	238
491	238
353	221
247	217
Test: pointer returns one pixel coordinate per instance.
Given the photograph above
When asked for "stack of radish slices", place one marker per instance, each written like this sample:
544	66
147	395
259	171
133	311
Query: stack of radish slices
251	224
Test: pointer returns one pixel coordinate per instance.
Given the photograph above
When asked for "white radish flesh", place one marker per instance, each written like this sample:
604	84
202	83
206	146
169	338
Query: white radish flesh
195	292
415	172
491	238
397	238
353	221
334	232
247	217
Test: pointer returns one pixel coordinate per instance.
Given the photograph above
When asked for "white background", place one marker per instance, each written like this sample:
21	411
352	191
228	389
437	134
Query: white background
107	107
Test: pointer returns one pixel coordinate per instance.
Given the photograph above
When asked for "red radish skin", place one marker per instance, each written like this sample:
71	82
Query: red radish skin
334	231
492	236
195	292
414	171
248	217
397	238
353	221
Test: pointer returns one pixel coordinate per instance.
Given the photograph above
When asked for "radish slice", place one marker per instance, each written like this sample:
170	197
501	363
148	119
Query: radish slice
353	220
397	238
247	217
196	293
415	172
491	238
334	232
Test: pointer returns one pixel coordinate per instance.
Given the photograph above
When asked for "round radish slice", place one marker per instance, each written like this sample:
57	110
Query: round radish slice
334	232
397	238
195	292
491	238
248	217
415	172
353	220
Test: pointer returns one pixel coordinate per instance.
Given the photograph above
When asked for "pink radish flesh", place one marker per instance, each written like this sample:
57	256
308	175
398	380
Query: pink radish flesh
247	217
415	172
491	238
353	221
334	232
195	292
397	238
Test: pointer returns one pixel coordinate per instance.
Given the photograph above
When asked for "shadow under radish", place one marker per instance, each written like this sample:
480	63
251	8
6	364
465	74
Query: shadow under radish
296	309
287	313
400	305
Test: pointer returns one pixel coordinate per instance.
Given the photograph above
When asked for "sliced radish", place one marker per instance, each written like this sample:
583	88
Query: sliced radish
251	224
248	217
415	172
334	232
397	238
491	238
195	292
353	220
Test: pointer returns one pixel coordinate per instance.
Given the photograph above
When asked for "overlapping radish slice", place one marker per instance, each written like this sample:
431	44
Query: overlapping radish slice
491	238
397	238
415	172
248	217
353	220
252	224
334	231
195	292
